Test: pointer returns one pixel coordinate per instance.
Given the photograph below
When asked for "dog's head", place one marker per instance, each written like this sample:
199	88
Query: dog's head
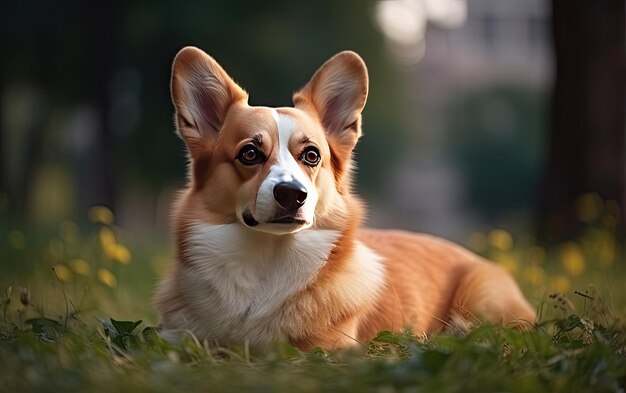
276	170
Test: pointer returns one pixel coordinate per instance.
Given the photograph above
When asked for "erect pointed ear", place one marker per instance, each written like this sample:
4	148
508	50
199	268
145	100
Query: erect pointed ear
337	93
202	93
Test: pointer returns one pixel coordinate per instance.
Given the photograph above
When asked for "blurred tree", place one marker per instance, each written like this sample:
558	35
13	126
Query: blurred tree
59	56
103	58
496	132
587	140
4	189
24	60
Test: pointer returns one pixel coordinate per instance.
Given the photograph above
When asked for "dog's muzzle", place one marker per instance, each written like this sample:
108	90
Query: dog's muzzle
289	198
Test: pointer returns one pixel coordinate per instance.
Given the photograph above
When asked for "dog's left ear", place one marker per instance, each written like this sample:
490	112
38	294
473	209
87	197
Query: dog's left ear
202	93
337	93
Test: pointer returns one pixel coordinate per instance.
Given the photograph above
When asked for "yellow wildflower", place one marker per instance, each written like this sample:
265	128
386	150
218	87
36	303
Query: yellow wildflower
100	214
607	251
507	262
500	239
80	266
107	241
114	250
63	272
121	254
107	278
573	258
561	284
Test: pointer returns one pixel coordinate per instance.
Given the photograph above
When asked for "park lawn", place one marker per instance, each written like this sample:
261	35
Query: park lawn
76	316
570	355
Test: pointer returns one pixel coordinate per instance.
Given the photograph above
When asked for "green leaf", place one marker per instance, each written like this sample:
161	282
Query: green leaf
43	323
49	327
125	327
121	332
568	324
386	337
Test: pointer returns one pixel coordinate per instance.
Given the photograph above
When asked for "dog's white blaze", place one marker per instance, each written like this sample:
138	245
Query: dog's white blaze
239	278
285	169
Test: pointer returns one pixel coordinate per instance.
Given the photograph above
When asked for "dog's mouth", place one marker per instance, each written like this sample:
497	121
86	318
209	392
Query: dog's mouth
288	220
250	221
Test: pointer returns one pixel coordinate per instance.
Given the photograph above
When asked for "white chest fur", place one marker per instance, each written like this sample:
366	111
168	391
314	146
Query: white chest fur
237	278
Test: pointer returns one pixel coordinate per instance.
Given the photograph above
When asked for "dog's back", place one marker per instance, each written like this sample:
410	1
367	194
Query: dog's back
432	284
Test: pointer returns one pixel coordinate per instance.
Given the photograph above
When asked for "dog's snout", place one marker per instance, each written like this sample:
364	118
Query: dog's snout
290	195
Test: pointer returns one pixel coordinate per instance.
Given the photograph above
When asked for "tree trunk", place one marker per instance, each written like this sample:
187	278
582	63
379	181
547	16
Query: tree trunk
587	138
104	53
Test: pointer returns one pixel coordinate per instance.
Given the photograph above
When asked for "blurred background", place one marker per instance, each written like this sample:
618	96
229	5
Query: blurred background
463	109
482	114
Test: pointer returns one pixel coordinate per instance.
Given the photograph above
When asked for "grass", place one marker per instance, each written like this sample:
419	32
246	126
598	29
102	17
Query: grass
571	355
72	303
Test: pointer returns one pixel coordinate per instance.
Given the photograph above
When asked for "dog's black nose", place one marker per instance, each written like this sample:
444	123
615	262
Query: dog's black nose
290	195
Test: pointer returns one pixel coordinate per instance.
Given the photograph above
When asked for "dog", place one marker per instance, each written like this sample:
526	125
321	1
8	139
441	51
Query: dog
268	238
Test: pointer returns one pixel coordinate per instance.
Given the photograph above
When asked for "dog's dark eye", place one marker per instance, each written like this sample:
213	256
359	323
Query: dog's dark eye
250	155
310	156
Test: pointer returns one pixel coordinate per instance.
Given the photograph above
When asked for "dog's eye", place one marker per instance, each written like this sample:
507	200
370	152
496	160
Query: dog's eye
250	155
310	156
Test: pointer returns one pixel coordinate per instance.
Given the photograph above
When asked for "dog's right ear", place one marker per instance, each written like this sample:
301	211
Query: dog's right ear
202	93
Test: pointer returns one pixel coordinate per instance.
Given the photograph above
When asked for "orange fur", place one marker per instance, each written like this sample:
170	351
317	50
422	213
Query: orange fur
320	283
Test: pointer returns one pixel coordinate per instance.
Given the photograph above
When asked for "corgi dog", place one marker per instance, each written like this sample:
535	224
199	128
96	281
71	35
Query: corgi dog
268	238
